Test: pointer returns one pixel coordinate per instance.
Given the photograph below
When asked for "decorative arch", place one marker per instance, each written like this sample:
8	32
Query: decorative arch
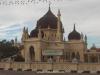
73	55
93	59
32	53
42	33
78	55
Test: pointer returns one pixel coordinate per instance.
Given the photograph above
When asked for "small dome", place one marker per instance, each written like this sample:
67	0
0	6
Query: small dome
93	47
48	20
74	35
34	33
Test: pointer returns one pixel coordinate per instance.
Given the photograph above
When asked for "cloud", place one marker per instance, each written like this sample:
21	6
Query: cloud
85	13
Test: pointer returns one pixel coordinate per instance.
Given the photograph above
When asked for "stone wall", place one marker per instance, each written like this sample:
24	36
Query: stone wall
44	66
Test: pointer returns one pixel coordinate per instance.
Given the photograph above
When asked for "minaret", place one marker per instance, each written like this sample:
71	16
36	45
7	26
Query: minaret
23	35
82	36
27	35
15	41
39	34
59	20
85	40
59	27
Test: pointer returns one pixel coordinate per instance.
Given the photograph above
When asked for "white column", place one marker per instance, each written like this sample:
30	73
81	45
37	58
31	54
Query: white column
88	58
98	58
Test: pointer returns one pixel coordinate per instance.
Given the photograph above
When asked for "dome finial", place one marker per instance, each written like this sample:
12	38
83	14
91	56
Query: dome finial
74	27
49	5
59	14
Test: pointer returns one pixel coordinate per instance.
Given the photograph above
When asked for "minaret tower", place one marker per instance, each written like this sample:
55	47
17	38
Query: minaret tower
25	34
85	41
15	41
59	27
82	36
39	34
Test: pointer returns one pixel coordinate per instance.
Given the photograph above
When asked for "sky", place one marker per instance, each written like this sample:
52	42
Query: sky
84	13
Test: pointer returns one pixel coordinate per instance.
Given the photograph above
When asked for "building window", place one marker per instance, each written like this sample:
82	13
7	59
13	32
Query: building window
77	56
73	55
67	55
32	53
86	58
42	34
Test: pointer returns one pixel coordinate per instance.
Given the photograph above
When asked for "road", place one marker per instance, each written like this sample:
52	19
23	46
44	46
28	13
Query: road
2	72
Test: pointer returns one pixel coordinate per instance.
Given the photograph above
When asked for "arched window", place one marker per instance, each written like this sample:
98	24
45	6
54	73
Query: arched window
66	55
86	57
94	59
78	56
32	53
45	35
42	34
73	55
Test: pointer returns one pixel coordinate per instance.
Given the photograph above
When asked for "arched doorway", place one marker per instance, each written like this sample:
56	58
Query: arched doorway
32	53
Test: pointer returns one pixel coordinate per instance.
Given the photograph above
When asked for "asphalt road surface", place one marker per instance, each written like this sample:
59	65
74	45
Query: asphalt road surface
3	72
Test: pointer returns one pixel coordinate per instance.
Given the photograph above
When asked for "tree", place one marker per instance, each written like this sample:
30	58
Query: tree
7	49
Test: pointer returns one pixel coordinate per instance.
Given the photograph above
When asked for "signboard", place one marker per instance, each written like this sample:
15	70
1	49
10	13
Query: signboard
52	52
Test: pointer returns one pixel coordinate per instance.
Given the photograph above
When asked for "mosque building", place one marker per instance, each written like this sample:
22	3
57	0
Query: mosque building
46	43
45	49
